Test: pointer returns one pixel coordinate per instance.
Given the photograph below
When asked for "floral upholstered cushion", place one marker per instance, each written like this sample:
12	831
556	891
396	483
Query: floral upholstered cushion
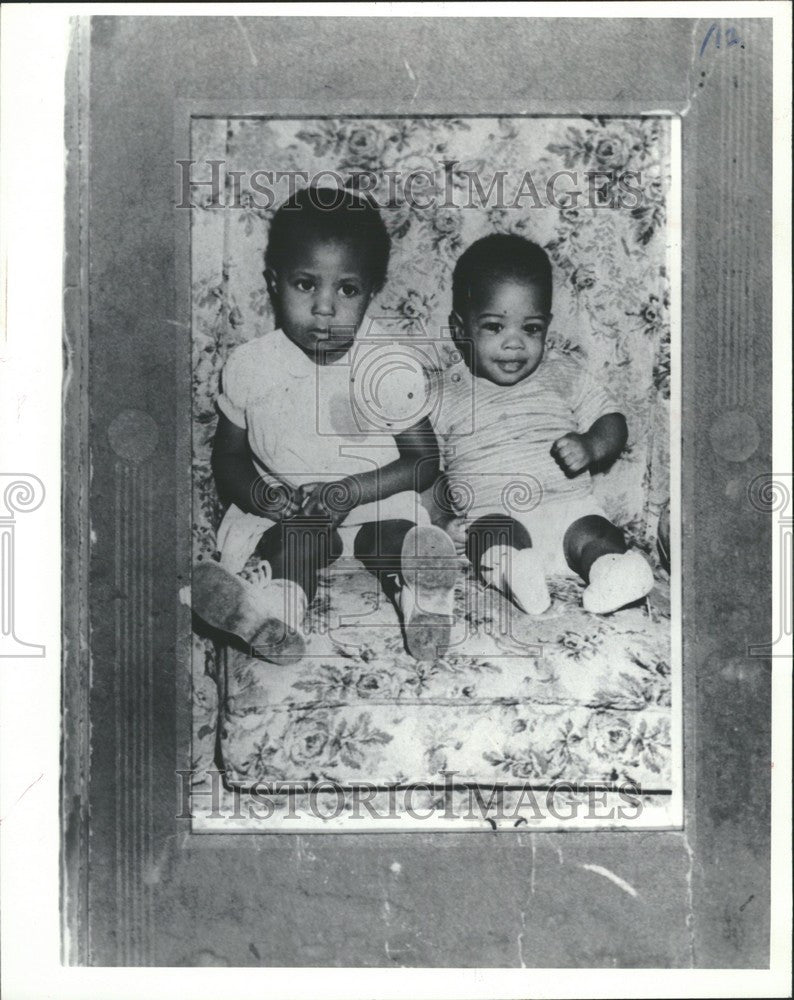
567	696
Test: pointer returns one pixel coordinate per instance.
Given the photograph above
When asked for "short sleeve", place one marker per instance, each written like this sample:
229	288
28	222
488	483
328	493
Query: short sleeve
234	389
439	413
454	410
591	401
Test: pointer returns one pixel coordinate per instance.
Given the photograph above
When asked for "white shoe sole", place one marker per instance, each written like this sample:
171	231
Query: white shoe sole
429	568
620	589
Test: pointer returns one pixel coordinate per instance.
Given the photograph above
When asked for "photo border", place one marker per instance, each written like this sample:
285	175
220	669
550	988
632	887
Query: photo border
711	946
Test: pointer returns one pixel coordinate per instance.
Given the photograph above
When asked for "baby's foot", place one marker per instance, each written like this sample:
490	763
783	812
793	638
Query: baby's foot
268	620
617	580
519	574
428	565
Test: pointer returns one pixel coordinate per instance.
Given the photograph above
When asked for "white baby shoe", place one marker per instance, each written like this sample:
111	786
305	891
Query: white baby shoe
519	574
617	579
268	619
429	567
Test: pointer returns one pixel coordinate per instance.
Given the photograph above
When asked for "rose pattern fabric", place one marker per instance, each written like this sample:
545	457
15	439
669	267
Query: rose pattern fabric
564	697
611	310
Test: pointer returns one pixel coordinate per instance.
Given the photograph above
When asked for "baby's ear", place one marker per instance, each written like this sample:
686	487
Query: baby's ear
459	338
271	278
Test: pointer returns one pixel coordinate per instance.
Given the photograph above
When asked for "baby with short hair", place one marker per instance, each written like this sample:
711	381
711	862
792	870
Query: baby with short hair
521	433
293	460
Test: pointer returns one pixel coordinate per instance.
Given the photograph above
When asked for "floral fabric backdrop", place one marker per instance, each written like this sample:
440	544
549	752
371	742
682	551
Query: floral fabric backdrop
611	291
611	310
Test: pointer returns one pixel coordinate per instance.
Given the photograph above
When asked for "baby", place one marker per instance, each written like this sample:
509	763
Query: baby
307	473
522	432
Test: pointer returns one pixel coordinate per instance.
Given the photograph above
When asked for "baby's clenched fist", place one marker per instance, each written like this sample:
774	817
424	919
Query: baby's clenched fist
572	453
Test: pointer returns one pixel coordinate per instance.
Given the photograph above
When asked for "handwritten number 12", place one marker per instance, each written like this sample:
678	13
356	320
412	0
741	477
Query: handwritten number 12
731	38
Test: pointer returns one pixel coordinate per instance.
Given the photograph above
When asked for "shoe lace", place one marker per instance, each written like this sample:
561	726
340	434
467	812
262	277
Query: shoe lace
261	574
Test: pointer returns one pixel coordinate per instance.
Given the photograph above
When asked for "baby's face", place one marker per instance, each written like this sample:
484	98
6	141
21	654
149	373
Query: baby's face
505	322
322	293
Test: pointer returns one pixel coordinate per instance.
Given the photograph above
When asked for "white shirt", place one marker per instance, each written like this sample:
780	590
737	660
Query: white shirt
308	423
496	440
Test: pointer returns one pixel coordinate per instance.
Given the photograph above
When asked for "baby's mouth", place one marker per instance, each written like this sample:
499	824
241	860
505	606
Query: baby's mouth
512	365
334	333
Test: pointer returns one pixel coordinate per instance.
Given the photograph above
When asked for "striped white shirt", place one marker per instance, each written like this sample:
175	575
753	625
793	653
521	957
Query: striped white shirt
496	440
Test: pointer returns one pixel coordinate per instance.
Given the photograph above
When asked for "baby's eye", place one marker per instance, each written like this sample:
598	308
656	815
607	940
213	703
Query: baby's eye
348	290
492	327
304	284
533	330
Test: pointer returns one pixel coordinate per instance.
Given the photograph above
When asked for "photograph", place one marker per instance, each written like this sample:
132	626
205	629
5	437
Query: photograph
482	383
395	500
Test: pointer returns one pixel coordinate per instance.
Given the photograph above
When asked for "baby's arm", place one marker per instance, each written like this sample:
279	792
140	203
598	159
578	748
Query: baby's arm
239	483
595	449
416	469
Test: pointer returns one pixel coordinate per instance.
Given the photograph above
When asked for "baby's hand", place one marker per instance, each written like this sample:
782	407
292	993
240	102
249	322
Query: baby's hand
572	453
333	500
276	499
292	504
311	500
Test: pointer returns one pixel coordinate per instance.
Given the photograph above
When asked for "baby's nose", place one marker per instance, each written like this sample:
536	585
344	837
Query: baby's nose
324	303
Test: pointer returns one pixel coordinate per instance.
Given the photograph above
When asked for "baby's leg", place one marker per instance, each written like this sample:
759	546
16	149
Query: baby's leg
378	545
596	550
417	567
268	620
297	549
588	539
500	550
